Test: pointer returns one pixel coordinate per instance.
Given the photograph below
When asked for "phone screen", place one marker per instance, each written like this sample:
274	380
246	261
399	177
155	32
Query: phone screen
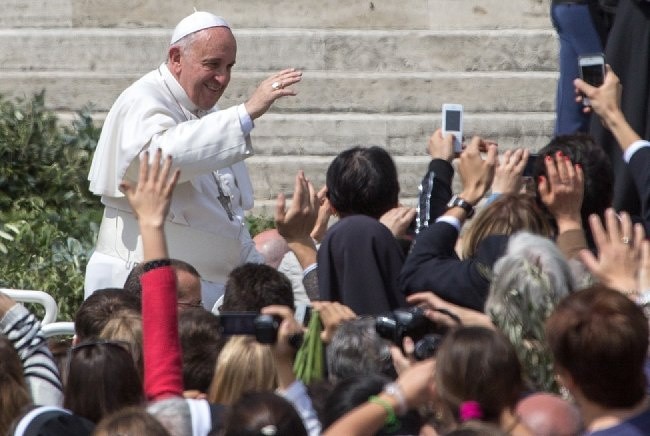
592	74
452	120
238	323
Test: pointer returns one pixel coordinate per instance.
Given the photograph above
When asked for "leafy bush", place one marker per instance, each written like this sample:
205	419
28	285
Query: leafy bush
48	219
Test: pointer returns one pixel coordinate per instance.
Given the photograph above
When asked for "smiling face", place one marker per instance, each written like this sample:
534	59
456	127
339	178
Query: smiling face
203	67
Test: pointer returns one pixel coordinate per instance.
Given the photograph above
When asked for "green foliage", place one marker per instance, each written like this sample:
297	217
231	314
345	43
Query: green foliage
258	223
48	219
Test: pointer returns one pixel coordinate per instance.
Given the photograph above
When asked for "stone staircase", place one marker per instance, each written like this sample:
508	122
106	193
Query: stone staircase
374	72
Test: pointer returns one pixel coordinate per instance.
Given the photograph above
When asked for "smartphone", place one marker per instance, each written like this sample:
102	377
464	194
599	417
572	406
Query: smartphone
530	165
452	122
592	71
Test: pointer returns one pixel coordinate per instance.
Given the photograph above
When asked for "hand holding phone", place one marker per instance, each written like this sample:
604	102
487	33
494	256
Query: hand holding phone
592	71
452	122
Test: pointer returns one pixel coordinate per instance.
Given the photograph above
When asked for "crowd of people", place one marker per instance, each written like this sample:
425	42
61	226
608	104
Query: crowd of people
516	306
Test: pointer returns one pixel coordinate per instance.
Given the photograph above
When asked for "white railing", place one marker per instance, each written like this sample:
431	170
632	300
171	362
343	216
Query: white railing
61	328
39	297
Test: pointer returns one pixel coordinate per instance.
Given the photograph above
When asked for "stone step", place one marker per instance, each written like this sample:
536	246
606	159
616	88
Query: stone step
273	174
322	91
400	134
122	51
369	14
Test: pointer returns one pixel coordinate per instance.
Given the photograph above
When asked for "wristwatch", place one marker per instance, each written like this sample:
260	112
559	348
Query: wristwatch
456	201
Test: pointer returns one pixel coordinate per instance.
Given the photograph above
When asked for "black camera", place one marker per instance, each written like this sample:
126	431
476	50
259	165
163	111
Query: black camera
263	327
426	334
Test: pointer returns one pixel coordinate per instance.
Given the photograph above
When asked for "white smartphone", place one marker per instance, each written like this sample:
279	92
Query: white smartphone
592	71
452	122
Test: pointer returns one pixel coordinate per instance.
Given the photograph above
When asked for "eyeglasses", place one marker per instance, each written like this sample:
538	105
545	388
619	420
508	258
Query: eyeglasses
190	303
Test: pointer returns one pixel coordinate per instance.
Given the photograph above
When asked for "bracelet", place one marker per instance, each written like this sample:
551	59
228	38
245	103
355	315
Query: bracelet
153	264
395	391
391	423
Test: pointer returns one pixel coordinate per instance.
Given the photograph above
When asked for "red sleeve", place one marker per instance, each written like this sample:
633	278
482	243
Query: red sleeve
163	373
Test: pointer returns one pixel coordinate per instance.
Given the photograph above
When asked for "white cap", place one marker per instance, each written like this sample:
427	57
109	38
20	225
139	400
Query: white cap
199	20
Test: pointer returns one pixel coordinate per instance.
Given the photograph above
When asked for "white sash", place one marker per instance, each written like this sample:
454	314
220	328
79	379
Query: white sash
212	255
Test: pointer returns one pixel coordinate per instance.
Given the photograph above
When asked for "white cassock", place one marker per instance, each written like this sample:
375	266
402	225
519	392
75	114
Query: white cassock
208	146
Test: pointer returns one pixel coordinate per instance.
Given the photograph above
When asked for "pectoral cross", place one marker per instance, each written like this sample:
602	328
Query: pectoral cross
224	199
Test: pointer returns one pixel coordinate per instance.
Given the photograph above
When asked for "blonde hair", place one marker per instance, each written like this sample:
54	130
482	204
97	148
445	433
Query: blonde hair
506	215
244	365
126	326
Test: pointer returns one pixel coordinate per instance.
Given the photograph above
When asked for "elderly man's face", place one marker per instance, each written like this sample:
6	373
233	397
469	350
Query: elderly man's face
203	70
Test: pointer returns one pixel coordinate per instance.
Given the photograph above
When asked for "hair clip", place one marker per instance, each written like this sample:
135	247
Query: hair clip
470	410
269	430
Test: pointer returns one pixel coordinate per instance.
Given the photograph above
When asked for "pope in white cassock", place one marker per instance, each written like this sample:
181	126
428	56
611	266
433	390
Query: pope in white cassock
173	108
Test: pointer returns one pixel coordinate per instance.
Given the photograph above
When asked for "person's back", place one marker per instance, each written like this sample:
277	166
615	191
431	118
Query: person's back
359	259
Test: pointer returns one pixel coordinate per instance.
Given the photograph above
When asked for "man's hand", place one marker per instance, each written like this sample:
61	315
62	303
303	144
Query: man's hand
508	173
619	251
297	222
398	219
283	352
562	191
271	89
441	147
332	314
476	173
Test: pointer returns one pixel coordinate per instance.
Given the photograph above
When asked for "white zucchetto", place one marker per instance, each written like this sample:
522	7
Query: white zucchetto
199	20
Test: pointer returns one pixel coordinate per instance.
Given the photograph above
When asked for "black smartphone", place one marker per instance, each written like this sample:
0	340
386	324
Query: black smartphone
237	323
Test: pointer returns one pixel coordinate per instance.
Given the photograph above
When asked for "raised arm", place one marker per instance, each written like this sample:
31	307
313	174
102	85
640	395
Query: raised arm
163	376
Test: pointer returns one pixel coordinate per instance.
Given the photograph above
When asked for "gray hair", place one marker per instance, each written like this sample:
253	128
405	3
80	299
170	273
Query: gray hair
174	414
185	43
529	280
356	349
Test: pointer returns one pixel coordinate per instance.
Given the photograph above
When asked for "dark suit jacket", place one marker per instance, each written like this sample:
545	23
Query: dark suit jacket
433	265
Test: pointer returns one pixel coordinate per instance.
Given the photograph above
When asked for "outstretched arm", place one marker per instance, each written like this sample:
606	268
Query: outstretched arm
150	200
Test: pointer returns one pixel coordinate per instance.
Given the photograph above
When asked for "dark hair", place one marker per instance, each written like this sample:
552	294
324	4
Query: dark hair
201	343
256	410
596	166
99	308
102	378
133	286
252	286
355	391
600	337
478	364
363	180
130	421
13	390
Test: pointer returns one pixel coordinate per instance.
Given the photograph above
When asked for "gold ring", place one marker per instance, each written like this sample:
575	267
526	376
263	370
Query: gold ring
625	240
276	86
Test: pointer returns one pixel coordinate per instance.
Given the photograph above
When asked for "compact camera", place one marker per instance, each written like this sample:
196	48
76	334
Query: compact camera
411	322
263	327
